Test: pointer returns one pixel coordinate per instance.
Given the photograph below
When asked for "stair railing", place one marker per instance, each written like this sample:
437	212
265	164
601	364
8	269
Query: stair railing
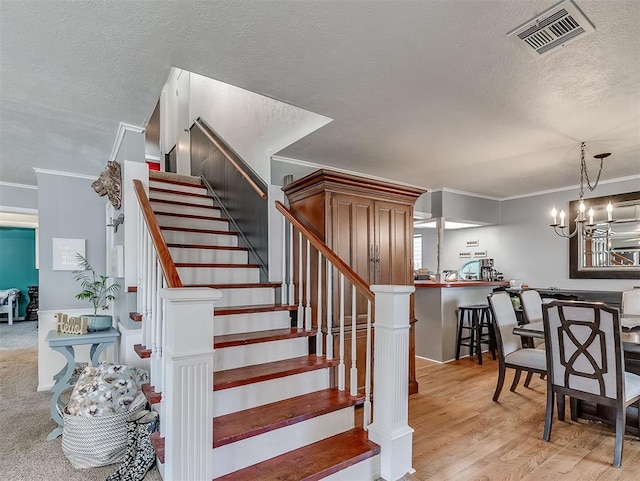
389	427
298	251
155	271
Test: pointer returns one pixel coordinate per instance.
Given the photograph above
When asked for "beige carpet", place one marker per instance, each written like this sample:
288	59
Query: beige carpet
25	421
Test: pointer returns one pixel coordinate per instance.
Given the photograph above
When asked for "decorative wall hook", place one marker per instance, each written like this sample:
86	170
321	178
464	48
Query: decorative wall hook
116	222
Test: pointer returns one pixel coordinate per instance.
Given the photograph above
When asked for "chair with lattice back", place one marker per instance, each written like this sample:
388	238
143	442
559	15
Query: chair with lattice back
585	362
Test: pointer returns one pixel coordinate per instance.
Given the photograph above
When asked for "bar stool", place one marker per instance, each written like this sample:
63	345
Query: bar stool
477	321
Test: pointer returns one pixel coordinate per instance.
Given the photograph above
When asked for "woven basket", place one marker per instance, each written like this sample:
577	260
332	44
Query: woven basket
91	441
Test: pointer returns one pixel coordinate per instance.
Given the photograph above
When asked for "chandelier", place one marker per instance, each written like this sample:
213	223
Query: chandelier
586	226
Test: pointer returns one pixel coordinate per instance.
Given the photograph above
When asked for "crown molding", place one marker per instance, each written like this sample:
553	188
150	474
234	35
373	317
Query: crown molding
18	186
122	129
572	187
289	160
64	174
18	210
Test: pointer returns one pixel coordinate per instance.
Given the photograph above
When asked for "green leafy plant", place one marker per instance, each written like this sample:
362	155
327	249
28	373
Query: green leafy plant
94	286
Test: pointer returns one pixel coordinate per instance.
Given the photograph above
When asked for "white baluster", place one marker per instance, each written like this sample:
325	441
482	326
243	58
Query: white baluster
140	293
353	373
341	368
153	293
367	373
292	299
146	323
300	308
283	286
319	309
149	290
158	317
329	310
307	309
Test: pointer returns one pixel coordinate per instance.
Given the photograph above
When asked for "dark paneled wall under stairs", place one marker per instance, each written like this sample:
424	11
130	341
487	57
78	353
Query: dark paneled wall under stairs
244	205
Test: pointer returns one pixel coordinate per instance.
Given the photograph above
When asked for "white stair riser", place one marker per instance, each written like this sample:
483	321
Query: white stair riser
239	398
193	255
178	187
263	352
247	296
367	469
190	199
219	275
185	210
185	237
174	221
255	449
255	321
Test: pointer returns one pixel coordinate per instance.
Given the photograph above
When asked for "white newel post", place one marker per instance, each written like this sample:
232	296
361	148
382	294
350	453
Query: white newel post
390	428
187	423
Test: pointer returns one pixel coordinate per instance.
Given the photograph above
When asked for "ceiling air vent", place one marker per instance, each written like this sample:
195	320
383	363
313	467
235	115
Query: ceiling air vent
555	27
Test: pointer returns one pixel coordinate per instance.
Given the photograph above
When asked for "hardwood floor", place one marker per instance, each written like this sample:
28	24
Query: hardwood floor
461	434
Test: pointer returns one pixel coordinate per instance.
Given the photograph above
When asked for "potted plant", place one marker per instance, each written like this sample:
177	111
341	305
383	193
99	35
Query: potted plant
97	291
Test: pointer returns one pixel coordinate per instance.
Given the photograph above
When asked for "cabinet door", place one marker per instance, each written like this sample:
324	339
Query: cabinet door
393	243
352	240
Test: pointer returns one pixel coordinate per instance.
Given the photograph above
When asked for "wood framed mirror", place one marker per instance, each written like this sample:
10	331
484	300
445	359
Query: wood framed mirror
611	251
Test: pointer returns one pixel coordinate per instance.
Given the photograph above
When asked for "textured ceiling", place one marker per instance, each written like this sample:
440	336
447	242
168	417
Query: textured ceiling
427	92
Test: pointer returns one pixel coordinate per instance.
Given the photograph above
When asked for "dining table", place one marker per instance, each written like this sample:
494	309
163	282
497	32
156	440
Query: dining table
630	336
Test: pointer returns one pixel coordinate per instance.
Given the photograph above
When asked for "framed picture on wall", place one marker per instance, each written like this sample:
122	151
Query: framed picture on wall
65	253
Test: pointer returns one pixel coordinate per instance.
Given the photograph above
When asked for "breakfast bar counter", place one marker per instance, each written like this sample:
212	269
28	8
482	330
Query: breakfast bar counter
435	307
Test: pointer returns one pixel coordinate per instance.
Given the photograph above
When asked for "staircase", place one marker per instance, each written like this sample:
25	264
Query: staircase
277	414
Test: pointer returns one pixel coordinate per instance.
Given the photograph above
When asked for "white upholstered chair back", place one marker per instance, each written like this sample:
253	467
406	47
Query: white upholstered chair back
505	321
584	350
631	302
531	303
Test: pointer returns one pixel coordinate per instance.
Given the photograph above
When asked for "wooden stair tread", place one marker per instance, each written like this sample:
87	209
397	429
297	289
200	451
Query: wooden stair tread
242	339
158	445
179	192
199	231
149	392
224	311
142	351
172	178
240	425
132	289
135	316
271	370
312	462
192	216
204	246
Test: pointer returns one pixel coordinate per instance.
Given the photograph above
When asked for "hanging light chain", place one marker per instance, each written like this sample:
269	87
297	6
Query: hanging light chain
584	174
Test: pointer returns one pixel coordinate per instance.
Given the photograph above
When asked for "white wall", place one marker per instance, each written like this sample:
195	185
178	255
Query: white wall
255	126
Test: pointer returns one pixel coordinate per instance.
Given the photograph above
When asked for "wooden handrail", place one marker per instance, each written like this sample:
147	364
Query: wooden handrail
316	242
231	157
164	256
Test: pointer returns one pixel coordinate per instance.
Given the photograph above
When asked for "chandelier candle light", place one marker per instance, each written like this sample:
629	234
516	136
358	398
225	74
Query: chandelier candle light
587	229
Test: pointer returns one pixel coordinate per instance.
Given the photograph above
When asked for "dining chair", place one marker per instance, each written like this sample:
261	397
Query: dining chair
511	354
585	362
631	301
531	303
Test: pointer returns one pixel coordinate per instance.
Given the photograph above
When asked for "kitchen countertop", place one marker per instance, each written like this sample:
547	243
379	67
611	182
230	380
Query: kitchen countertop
433	284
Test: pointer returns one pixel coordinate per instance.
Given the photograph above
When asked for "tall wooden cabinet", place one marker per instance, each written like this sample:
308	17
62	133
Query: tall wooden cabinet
369	224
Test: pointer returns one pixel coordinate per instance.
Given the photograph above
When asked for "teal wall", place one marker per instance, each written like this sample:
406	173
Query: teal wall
18	262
